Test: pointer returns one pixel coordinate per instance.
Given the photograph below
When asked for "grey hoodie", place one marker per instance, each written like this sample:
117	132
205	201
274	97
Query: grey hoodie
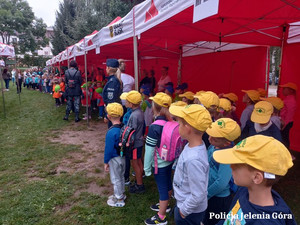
191	180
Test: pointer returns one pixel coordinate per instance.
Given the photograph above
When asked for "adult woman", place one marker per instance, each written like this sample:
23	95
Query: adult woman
19	81
163	79
6	78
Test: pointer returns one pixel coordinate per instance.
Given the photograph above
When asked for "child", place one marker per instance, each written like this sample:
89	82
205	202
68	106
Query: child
100	102
62	89
250	98
224	109
257	164
211	102
113	162
86	100
56	93
233	98
261	123
222	133
187	97
160	105
287	113
147	109
191	174
136	121
277	106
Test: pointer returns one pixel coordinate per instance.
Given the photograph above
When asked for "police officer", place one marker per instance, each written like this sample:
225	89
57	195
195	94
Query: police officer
73	90
113	88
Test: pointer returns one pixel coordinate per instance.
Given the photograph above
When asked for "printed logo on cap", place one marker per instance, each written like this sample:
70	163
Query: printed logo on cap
221	123
260	110
241	144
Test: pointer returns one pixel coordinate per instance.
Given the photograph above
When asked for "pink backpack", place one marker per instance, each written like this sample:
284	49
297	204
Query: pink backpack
171	144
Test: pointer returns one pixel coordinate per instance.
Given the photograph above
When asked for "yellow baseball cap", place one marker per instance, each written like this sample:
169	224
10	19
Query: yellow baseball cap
262	92
114	109
195	115
162	99
261	152
252	94
179	103
262	112
225	104
275	101
199	93
224	127
208	99
189	95
290	85
133	97
231	96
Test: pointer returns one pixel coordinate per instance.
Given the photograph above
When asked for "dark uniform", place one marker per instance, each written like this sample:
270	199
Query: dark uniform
73	94
112	90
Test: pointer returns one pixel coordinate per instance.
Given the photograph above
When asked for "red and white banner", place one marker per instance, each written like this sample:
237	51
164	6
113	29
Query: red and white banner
7	50
152	12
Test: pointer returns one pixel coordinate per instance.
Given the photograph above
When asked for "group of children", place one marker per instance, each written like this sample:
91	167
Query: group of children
221	154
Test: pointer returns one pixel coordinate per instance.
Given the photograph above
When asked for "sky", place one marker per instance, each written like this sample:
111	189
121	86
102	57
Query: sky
45	9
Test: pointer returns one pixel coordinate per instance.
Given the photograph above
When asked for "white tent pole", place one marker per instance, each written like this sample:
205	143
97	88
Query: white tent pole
267	70
86	85
179	74
136	69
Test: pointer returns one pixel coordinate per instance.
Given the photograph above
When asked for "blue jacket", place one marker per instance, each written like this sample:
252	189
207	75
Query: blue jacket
272	131
112	90
219	176
248	213
112	142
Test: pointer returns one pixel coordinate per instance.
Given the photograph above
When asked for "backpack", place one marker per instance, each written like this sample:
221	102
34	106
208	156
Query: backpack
72	81
126	140
171	144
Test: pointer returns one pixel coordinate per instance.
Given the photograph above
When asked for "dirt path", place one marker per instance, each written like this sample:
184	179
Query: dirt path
90	159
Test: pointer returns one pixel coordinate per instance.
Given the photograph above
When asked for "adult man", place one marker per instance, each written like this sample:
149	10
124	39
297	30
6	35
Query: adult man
73	90
127	80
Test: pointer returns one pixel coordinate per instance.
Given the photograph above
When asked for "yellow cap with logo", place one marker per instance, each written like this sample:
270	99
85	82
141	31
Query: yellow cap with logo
261	152
275	101
252	94
133	97
225	104
162	99
226	128
208	99
189	95
262	112
231	96
195	115
114	109
179	103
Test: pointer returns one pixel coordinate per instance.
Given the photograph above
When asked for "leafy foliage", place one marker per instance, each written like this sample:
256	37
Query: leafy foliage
17	19
76	19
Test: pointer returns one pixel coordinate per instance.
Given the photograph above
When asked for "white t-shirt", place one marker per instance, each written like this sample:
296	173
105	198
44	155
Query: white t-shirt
161	83
128	82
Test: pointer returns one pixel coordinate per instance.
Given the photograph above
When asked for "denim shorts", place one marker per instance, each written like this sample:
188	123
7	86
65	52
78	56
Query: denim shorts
164	182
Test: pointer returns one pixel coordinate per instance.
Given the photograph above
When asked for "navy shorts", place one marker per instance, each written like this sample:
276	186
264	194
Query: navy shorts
137	153
164	182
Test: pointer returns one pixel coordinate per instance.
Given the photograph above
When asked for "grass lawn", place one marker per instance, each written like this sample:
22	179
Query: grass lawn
32	192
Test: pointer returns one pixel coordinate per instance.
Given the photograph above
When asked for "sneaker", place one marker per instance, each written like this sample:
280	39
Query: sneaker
114	202
156	208
100	117
127	182
156	220
133	174
112	196
65	118
137	189
77	120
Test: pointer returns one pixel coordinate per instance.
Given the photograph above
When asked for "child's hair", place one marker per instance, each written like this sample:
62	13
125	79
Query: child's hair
267	182
162	111
195	131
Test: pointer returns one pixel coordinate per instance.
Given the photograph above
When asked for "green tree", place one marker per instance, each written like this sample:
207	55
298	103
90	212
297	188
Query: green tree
17	19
